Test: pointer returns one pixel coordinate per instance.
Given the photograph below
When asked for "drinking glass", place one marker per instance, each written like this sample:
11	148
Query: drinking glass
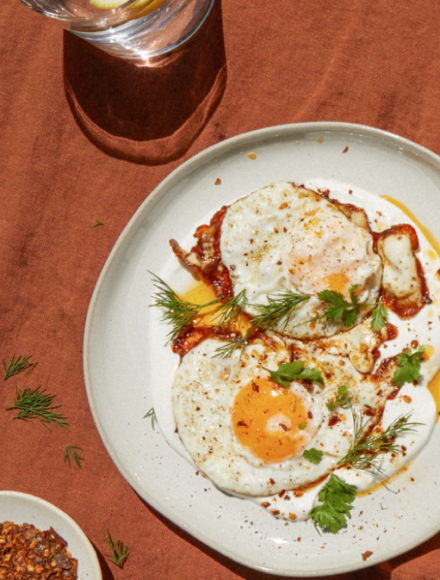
139	30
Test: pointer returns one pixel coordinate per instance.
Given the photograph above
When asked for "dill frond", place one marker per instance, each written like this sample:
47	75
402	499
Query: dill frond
36	404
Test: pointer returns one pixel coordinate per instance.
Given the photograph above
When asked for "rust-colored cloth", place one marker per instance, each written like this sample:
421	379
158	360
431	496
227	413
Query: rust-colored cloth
85	137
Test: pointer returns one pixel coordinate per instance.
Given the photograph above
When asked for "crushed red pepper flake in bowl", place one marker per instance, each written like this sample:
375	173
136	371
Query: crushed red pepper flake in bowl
26	552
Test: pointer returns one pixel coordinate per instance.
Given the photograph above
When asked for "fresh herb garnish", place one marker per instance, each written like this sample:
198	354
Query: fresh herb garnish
119	552
288	372
342	400
228	311
179	313
365	451
228	349
71	451
379	317
36	404
313	455
409	366
97	223
278	310
151	413
341	309
18	365
336	498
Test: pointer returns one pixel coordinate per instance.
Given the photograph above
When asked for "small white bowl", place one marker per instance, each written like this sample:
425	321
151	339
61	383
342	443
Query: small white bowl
22	508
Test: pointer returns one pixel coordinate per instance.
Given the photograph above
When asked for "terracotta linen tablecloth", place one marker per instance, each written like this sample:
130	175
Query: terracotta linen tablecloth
85	137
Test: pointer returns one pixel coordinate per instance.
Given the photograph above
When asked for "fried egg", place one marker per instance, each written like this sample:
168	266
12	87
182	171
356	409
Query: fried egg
288	238
248	435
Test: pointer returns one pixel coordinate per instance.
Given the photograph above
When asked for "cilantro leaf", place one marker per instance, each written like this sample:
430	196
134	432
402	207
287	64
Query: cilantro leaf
336	497
342	400
338	304
288	372
313	455
340	308
353	296
409	366
379	317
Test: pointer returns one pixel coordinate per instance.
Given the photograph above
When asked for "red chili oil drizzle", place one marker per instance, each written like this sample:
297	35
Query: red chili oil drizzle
192	336
207	253
381	373
392	331
348	209
398	229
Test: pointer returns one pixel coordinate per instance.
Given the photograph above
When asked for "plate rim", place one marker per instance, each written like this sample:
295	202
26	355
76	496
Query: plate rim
315	126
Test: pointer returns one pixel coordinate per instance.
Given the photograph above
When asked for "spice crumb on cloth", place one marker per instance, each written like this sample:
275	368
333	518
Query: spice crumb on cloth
26	552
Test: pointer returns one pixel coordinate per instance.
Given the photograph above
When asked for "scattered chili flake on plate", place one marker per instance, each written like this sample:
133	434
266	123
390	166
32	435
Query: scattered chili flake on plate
26	552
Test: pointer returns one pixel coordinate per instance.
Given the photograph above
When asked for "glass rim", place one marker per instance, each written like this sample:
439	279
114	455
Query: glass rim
108	17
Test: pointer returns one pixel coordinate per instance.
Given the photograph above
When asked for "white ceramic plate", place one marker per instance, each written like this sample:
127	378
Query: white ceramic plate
22	508
125	359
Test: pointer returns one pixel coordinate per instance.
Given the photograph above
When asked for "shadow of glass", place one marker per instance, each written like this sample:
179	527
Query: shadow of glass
152	114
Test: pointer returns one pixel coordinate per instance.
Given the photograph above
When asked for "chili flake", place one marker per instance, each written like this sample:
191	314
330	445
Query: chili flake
26	553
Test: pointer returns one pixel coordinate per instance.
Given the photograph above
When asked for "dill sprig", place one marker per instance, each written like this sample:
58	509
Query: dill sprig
228	349
365	451
151	413
71	451
179	313
18	365
119	552
278	310
229	310
36	404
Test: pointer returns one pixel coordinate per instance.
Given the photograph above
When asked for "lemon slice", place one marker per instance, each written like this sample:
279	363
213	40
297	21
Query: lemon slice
109	4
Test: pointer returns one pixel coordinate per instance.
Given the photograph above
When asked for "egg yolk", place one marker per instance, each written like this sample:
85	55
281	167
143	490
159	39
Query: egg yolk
270	421
337	282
